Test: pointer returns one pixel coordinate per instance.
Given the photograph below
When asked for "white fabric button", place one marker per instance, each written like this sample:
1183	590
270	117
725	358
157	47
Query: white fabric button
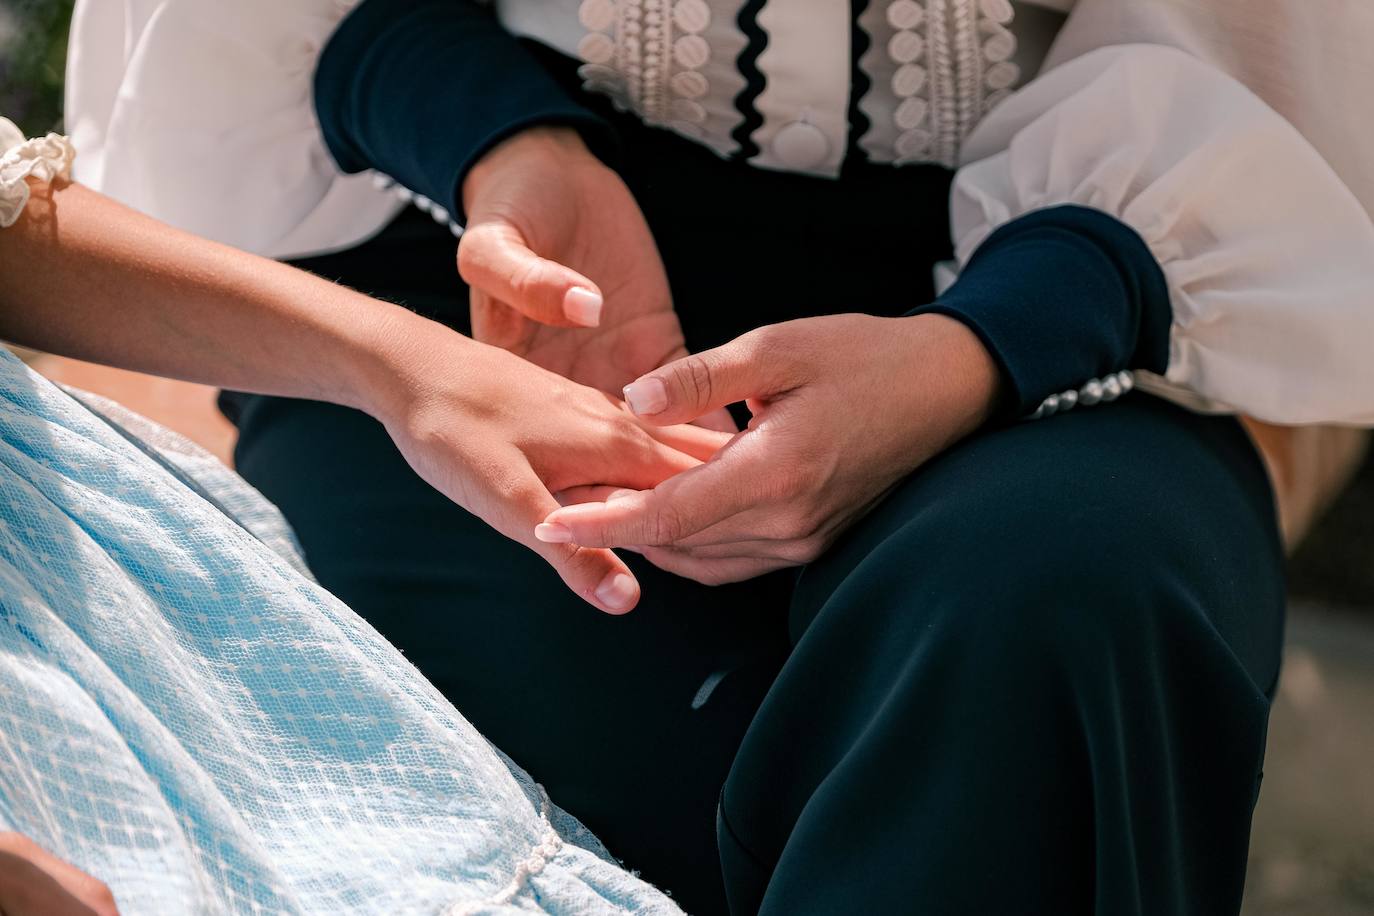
687	129
598	73
687	110
691	15
913	143
998	11
616	91
596	48
1000	46
1001	75
690	84
691	51
597	15
800	145
908	80
905	14
911	113
905	47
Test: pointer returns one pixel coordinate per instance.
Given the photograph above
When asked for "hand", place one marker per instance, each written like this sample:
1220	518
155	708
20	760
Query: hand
844	408
561	265
498	436
33	881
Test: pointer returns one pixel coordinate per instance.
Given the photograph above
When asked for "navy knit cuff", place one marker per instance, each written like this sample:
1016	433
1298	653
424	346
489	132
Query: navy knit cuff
421	89
1060	296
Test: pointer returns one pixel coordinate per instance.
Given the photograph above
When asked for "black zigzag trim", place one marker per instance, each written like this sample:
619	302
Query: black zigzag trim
754	82
859	84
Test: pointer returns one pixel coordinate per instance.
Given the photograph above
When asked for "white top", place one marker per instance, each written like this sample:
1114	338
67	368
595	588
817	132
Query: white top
1229	133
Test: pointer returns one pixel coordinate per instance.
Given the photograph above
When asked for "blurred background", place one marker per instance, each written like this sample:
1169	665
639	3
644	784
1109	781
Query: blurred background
1312	850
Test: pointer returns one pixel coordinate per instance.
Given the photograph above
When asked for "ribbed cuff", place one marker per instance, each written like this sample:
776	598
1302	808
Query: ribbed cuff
421	89
1060	296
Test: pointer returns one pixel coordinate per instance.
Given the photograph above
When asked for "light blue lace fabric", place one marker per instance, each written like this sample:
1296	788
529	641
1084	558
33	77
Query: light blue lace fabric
186	715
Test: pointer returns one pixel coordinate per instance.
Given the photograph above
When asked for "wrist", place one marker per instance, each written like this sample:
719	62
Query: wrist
968	381
384	361
542	146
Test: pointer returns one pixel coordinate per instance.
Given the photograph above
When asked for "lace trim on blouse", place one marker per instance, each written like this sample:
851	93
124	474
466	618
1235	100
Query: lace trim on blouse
946	64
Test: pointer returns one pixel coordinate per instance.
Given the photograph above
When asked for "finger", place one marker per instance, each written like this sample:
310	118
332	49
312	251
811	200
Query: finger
708	572
495	258
574	496
598	576
677	508
754	365
696	441
718	420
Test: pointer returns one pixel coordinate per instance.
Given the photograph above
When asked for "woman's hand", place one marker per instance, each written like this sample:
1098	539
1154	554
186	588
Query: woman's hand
498	436
562	267
34	882
844	408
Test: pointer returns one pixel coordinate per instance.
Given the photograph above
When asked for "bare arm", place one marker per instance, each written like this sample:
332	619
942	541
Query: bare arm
86	277
83	276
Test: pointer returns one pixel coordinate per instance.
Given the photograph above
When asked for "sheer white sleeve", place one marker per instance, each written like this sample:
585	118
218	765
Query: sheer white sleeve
43	158
1268	254
200	113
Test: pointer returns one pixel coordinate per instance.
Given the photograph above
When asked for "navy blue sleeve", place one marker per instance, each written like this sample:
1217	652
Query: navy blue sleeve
1060	296
420	89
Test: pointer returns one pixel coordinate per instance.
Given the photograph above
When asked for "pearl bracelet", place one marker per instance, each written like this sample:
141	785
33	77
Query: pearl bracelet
1096	391
437	213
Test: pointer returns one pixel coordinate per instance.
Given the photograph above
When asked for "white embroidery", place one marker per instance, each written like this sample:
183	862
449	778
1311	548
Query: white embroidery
936	67
647	55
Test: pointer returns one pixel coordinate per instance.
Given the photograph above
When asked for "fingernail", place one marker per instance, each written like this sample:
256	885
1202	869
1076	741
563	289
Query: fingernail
553	533
583	306
647	396
616	591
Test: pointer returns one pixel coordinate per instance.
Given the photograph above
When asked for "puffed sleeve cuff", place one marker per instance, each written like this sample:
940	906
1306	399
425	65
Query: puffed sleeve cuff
1267	257
1060	296
421	89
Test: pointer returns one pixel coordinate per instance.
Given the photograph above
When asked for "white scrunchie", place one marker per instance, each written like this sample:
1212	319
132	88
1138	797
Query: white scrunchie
44	158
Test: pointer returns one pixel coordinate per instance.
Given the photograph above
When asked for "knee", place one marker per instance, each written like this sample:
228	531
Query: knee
1038	594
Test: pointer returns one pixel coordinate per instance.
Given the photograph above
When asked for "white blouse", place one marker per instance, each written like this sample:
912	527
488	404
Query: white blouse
1229	133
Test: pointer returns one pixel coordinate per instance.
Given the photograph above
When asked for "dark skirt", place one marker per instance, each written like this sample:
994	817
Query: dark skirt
1035	679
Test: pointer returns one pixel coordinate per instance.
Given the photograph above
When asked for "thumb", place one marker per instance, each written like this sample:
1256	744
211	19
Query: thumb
751	366
495	258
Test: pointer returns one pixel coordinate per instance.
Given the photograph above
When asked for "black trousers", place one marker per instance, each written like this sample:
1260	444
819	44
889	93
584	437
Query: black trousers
1035	679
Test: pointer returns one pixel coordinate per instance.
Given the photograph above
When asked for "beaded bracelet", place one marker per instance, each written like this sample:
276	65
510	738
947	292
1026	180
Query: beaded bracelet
1095	391
436	212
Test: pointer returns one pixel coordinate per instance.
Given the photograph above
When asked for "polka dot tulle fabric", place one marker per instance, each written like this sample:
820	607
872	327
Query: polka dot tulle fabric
186	715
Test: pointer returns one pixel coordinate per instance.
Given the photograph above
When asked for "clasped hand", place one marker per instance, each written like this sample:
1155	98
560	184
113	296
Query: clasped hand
843	406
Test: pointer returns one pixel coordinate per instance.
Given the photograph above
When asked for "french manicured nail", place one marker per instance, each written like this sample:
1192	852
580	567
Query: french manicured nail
647	396
616	591
583	306
553	533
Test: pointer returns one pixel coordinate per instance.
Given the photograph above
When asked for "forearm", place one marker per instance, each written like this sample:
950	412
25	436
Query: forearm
89	278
